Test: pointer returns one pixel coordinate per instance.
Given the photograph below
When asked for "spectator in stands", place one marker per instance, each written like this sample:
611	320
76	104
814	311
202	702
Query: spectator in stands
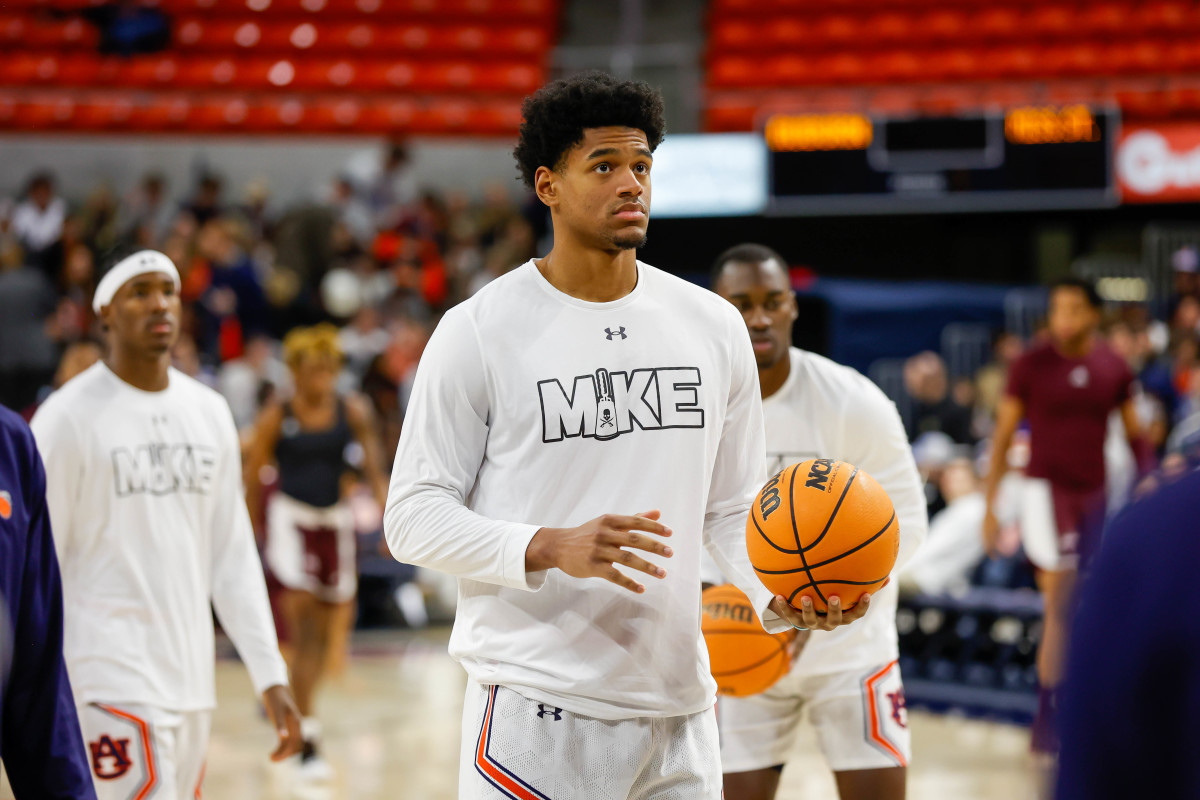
955	545
992	377
1185	361
392	188
148	214
1185	263
28	355
129	28
234	305
934	409
243	381
38	223
352	211
205	204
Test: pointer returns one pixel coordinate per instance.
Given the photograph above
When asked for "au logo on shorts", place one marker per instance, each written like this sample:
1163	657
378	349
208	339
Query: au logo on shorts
899	707
107	749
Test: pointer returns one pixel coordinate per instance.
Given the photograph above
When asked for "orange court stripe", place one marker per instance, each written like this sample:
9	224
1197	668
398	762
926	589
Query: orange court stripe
151	772
876	733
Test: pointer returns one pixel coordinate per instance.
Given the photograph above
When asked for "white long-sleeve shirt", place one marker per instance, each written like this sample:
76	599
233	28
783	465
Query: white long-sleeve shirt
827	410
534	409
150	523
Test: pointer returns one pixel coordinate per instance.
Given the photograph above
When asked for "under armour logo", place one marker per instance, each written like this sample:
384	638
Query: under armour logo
1079	377
610	333
545	711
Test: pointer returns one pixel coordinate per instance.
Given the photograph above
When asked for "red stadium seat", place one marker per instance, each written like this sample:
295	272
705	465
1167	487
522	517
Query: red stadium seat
1052	21
996	23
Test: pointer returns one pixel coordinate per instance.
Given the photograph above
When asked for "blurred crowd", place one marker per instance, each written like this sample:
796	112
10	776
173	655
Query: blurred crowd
377	255
381	257
950	419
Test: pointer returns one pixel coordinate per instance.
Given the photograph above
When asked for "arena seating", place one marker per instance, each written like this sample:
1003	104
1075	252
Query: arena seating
316	66
903	56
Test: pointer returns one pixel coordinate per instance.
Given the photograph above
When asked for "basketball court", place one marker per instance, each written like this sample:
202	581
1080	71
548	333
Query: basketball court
392	722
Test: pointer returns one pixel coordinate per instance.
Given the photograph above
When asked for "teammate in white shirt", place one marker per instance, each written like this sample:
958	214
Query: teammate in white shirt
559	399
144	487
848	679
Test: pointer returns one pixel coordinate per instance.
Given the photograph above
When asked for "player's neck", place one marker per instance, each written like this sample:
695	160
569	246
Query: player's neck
1077	348
596	276
148	373
771	379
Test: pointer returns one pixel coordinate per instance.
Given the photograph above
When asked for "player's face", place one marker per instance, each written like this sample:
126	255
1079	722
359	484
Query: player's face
763	294
316	375
602	190
144	314
1071	317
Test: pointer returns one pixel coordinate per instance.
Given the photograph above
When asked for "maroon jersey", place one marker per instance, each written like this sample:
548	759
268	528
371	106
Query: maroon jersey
1068	402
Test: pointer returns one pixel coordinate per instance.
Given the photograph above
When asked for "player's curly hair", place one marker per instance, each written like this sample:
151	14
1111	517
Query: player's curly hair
556	115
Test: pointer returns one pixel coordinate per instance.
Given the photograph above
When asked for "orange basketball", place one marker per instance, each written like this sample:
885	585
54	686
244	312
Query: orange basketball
823	527
744	658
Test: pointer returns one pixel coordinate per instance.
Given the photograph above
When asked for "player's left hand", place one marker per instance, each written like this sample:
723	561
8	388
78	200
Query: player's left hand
282	711
807	616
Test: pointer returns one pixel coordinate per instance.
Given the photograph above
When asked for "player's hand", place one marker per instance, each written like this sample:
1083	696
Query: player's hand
594	548
282	711
991	532
808	617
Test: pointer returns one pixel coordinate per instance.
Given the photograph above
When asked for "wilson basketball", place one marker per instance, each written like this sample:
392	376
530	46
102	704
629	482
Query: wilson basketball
744	658
822	528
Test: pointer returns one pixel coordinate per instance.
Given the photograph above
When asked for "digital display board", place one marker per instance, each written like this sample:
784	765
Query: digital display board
1019	159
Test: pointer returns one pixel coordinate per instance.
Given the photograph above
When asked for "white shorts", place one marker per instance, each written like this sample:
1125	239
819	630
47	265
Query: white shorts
517	748
145	752
312	549
859	716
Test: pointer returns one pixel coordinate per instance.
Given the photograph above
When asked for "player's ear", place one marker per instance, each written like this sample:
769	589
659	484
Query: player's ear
793	306
545	185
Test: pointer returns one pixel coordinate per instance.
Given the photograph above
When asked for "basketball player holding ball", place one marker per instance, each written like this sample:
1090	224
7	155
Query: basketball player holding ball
550	408
848	678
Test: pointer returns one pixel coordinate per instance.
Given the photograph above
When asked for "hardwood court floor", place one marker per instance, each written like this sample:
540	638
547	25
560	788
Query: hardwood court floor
391	727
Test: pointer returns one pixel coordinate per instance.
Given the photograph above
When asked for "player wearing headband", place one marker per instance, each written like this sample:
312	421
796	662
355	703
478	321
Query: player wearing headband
144	491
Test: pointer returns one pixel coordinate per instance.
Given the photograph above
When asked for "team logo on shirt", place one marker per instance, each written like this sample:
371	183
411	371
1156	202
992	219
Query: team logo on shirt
162	469
1079	377
5	505
604	405
105	749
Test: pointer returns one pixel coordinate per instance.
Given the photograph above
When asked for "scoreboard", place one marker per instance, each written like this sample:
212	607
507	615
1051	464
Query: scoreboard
1031	158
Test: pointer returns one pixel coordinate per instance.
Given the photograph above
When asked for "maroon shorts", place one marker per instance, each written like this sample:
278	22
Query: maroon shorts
1060	526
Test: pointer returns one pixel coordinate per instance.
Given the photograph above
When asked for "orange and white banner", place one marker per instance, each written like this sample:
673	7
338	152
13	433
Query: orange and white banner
1159	163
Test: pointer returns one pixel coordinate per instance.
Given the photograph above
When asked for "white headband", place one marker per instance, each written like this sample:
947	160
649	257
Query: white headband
137	264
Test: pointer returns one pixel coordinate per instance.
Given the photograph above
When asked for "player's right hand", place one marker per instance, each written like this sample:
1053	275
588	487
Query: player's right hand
593	549
991	532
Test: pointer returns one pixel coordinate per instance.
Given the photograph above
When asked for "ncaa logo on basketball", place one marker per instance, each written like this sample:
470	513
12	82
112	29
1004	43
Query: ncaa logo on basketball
107	749
818	474
604	405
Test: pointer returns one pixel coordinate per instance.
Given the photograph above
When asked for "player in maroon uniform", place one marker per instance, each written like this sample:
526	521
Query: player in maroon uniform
1066	385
